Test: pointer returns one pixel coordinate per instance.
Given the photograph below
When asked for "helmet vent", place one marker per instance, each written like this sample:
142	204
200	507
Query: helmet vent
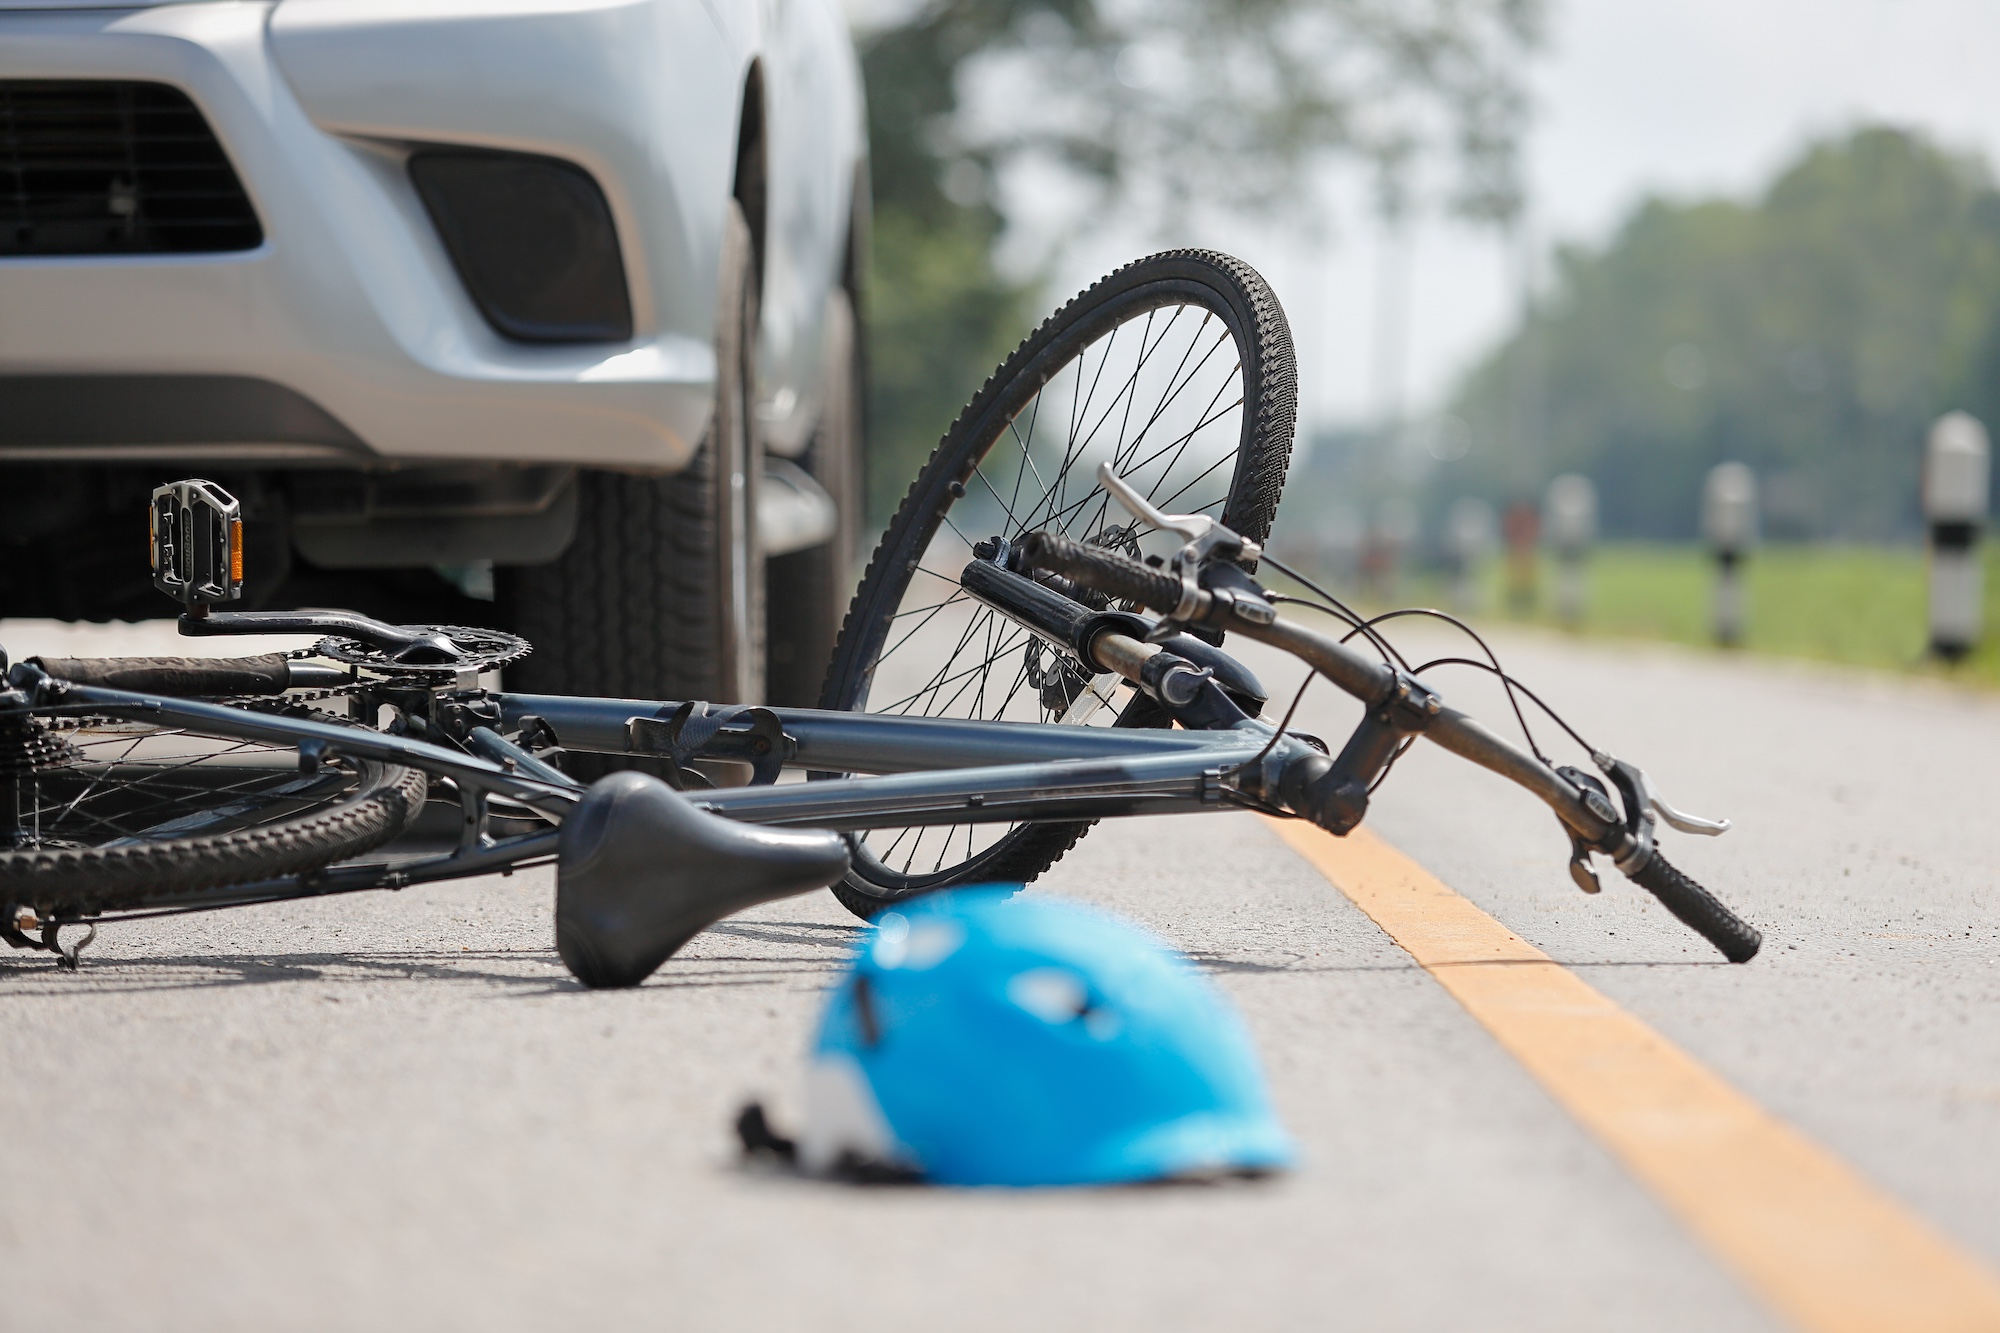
864	1012
1050	994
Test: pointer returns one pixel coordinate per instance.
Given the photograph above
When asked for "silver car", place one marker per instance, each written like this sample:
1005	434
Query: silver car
547	302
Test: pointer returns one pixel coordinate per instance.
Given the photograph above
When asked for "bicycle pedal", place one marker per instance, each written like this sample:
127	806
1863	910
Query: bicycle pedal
196	531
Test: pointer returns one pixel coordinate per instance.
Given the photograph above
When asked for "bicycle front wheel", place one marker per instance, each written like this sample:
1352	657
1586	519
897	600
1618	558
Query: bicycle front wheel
1178	371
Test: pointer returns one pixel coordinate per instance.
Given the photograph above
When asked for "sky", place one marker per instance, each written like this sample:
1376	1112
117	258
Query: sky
1686	98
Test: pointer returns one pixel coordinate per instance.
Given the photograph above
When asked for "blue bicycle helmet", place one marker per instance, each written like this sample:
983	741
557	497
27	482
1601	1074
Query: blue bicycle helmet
980	1039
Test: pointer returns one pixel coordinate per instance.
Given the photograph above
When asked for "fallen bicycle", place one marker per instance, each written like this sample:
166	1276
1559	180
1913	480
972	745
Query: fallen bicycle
1036	645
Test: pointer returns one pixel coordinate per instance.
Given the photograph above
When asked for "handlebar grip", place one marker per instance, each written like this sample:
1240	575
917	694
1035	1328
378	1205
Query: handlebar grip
1699	910
1104	570
180	677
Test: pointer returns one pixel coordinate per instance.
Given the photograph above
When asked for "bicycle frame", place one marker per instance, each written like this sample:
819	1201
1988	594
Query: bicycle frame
924	771
919	771
941	770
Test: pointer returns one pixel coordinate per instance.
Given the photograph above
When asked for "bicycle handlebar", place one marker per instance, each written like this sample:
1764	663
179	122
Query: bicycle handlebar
1698	909
1373	683
1104	570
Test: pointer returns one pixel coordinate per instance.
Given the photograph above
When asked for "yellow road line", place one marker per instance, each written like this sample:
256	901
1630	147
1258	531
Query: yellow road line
1822	1245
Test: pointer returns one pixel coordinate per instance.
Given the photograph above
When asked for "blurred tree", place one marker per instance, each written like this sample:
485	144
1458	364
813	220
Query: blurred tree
1166	109
1813	334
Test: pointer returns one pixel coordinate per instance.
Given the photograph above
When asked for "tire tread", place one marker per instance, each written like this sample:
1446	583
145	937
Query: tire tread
59	881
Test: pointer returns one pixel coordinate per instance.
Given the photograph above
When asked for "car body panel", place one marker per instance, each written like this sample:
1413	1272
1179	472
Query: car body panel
352	300
815	115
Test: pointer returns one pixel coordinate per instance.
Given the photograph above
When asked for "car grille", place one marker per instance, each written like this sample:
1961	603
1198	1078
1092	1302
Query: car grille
102	168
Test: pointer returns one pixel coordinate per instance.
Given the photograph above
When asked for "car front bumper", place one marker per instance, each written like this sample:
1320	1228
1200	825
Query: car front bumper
351	302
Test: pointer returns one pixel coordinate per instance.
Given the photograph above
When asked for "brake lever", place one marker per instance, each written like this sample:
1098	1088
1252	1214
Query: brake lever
1204	538
1642	803
1204	535
1650	797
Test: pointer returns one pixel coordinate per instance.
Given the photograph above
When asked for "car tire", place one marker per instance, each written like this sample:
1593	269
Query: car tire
809	590
661	595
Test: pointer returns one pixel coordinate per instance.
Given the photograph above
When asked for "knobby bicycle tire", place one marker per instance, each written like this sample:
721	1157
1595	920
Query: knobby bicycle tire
64	882
1224	287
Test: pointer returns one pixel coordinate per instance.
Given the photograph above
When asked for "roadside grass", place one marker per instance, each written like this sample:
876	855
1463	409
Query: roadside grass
1863	605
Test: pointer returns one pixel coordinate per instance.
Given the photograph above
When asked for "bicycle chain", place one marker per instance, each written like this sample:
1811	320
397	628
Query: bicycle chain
304	696
292	699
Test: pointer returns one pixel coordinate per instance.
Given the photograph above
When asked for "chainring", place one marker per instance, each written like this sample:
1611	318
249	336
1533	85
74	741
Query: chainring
479	650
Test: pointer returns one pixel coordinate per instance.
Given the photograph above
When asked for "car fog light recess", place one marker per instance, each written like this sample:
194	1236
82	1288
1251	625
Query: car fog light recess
532	240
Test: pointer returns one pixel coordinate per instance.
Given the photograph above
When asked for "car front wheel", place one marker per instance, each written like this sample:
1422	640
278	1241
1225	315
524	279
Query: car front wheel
810	589
661	595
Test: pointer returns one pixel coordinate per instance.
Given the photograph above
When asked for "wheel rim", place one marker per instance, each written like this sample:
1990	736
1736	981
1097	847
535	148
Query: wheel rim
122	783
1154	385
740	652
738	467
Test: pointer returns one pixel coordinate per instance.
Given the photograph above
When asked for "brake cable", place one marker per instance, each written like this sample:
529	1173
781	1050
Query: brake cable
1508	683
1533	698
1337	608
1391	656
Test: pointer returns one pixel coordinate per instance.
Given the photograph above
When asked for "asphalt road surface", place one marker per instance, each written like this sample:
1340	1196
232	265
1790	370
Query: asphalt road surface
398	1111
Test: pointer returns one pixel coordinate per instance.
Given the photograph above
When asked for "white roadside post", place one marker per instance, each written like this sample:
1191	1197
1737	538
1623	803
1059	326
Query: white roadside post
1569	520
1729	522
1955	463
1470	534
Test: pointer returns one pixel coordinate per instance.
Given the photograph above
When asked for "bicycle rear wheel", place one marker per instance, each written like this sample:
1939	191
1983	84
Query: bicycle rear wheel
99	815
1177	370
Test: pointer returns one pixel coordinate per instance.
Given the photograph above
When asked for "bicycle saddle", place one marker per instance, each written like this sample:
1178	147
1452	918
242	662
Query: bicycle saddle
640	871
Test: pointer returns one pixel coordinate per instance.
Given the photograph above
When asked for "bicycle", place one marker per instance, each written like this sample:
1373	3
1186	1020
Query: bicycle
1037	644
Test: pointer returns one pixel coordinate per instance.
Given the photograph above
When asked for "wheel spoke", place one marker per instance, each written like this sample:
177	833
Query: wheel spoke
918	627
1074	447
938	680
103	799
1005	505
1196	480
1180	383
